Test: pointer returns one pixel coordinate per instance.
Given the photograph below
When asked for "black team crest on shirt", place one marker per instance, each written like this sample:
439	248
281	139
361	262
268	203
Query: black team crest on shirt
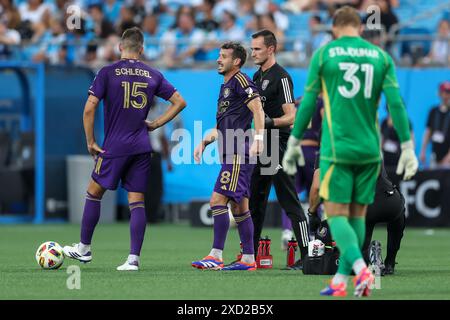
226	92
264	85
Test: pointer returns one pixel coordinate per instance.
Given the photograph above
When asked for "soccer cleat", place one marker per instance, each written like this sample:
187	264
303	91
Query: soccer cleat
389	269
298	265
240	266
286	235
73	252
363	282
129	266
375	257
208	262
338	290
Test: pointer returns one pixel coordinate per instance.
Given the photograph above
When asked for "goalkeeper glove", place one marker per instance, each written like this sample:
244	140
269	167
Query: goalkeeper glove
408	162
314	220
293	156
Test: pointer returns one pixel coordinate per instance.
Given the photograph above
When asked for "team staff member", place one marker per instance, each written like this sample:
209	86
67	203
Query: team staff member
388	207
276	90
438	129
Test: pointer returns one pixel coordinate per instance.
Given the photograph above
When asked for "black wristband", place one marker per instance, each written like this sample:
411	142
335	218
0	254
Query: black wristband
268	122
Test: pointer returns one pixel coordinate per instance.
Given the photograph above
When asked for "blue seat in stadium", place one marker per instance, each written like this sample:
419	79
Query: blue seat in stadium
415	48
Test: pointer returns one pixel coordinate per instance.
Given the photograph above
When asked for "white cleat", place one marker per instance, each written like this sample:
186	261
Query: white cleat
73	252
129	266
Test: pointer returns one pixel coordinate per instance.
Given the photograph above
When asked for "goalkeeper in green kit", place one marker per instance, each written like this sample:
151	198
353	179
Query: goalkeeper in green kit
351	73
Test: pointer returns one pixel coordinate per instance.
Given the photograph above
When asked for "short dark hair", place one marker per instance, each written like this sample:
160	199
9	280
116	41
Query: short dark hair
269	37
346	16
238	51
132	39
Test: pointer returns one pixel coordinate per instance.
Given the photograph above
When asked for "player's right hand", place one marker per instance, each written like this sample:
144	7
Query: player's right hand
408	162
256	148
199	151
293	156
94	149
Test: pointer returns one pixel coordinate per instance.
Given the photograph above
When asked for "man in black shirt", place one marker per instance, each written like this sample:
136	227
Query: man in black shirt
438	130
390	143
276	91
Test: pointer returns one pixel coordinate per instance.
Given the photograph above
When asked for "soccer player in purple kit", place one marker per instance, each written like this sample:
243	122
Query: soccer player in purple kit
238	104
127	88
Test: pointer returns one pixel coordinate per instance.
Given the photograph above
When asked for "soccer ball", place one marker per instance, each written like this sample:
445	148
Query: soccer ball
50	255
316	248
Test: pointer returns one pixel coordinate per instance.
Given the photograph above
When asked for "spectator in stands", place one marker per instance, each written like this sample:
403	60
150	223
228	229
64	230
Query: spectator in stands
267	21
224	5
102	27
111	9
152	49
438	130
77	41
141	8
126	19
440	48
208	23
35	11
53	47
228	31
10	14
318	35
59	9
8	38
109	52
182	44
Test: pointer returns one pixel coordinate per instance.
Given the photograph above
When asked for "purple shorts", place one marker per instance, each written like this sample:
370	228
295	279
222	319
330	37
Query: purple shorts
234	180
132	170
304	177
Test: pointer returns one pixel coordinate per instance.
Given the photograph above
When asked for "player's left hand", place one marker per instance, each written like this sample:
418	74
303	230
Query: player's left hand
408	162
257	148
151	125
94	149
293	156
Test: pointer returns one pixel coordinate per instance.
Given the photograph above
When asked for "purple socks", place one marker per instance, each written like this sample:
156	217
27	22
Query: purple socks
138	222
245	227
221	226
91	215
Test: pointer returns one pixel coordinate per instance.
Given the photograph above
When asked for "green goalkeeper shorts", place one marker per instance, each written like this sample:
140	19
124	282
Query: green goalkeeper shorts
348	183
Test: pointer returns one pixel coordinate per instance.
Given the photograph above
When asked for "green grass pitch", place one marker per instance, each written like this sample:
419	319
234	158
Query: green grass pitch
423	271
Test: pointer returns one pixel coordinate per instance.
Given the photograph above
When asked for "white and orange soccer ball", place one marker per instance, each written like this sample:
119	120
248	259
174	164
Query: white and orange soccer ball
50	255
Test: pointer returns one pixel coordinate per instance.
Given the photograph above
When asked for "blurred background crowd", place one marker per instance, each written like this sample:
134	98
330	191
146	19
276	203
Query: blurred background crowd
186	33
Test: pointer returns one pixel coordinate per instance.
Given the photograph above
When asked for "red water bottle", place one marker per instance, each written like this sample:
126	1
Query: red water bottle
267	240
260	247
292	247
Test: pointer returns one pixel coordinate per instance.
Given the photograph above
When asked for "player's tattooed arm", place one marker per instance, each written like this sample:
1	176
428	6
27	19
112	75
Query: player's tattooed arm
210	138
177	105
88	123
255	106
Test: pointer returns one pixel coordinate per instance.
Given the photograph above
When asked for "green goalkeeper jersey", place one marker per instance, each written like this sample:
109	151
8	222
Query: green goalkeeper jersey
351	73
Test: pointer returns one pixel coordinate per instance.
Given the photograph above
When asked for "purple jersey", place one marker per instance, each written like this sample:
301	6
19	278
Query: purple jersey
127	88
233	113
315	126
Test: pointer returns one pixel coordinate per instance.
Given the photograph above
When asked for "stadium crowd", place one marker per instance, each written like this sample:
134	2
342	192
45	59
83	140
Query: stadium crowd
178	33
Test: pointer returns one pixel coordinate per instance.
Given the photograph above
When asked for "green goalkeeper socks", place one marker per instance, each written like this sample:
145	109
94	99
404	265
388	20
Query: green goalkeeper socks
347	243
359	226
